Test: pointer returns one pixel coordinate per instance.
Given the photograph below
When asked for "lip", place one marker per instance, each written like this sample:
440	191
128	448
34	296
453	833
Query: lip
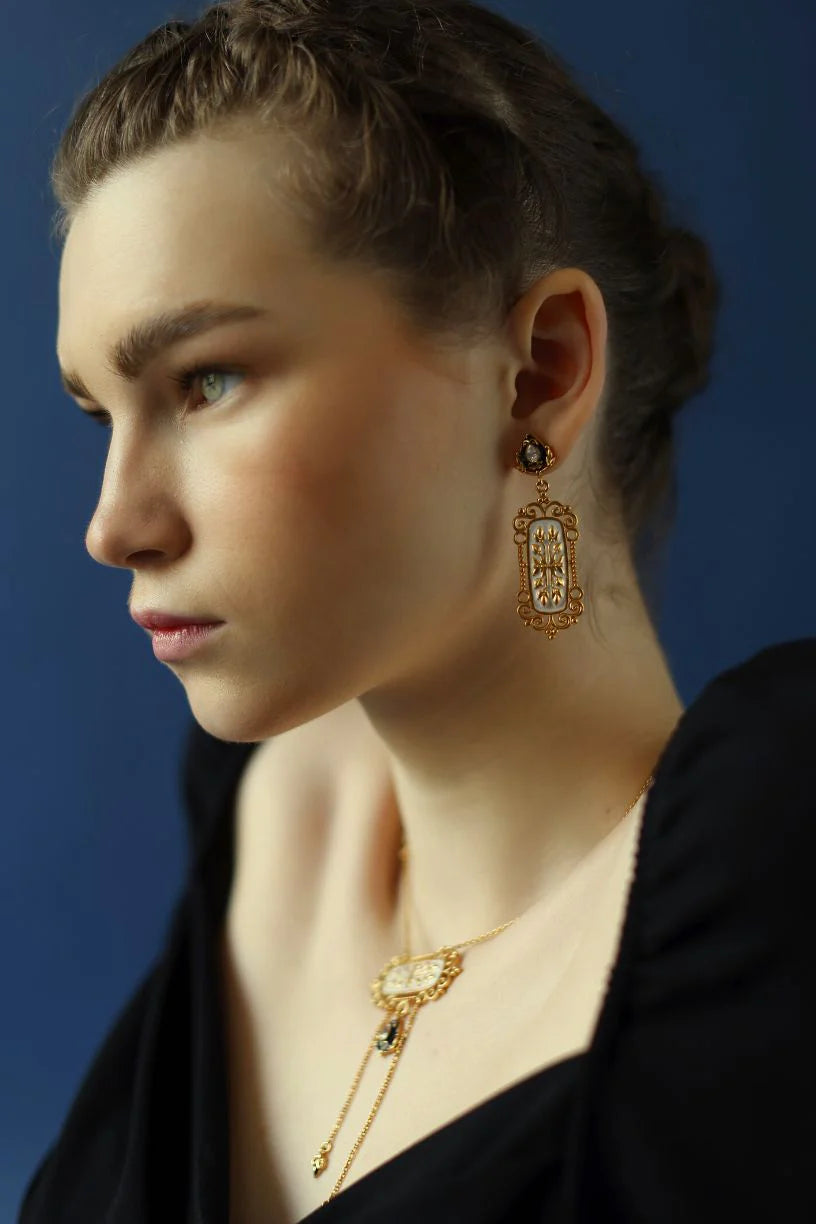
169	645
150	619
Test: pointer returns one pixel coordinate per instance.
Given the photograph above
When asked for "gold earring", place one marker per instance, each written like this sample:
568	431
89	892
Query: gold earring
545	532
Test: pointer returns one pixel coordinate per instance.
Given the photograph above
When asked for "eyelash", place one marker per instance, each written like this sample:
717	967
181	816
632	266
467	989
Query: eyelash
185	379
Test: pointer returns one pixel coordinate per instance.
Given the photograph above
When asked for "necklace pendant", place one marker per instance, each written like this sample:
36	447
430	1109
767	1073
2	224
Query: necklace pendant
390	1037
405	983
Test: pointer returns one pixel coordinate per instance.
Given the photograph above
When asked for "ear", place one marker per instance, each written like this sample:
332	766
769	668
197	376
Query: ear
558	330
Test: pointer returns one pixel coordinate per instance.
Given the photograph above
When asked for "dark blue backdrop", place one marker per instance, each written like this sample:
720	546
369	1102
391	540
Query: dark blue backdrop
93	844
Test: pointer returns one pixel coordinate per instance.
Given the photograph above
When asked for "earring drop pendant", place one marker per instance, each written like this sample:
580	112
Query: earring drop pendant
545	532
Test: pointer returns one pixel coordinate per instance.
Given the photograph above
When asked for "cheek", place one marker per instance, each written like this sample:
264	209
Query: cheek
351	453
349	498
298	517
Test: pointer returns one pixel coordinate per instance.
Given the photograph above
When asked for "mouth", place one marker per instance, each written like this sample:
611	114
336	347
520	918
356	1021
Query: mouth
178	642
150	619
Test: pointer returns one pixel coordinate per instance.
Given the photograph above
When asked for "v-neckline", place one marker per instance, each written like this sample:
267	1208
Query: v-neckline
347	1196
572	1065
569	1067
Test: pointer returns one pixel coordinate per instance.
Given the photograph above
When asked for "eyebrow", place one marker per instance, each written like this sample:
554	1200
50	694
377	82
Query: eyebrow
147	339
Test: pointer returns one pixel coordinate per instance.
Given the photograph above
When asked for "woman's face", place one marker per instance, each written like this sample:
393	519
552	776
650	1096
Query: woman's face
334	494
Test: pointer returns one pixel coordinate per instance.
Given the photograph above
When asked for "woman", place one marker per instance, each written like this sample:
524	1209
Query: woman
489	927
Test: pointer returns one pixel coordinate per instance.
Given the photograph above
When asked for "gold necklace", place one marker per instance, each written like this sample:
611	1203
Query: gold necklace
401	988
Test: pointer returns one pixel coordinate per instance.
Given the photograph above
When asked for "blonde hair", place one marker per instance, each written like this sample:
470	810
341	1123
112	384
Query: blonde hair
449	150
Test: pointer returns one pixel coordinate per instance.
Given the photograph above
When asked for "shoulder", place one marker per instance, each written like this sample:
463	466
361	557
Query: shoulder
729	824
768	700
748	737
699	1093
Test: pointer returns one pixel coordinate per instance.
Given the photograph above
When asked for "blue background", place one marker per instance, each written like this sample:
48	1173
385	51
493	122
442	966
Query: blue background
721	98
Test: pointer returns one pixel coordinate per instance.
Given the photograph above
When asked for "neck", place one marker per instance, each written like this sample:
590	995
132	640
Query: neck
505	765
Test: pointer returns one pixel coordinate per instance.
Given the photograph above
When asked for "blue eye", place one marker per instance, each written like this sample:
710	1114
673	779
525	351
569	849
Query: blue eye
187	377
185	380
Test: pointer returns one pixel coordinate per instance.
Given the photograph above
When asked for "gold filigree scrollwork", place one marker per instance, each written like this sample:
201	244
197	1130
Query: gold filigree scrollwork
547	569
439	982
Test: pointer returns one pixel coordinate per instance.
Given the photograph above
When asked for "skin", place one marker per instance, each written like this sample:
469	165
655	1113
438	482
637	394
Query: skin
345	503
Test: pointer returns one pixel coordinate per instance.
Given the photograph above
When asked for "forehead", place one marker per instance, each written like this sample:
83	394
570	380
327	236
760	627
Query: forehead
207	220
185	223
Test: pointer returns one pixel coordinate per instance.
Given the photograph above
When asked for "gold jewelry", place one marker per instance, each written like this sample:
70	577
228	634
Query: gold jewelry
401	988
545	532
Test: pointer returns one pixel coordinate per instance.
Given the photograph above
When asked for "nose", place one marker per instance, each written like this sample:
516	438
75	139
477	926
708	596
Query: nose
137	518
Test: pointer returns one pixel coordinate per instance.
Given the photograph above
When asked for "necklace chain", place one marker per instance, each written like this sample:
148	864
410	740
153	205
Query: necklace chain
390	1037
406	939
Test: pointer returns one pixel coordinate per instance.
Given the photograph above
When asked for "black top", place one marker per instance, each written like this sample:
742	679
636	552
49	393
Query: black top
695	1102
